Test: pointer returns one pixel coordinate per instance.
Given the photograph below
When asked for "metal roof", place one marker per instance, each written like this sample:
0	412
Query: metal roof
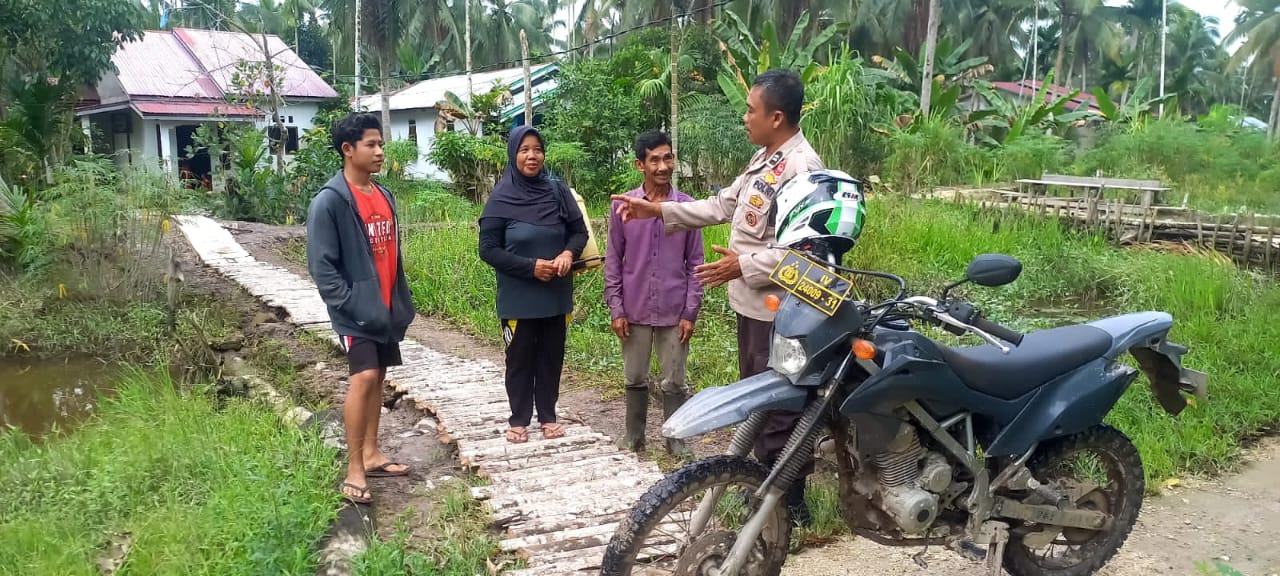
184	70
219	52
194	108
427	93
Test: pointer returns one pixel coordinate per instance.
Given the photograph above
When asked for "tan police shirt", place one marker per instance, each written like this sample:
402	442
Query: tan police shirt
747	204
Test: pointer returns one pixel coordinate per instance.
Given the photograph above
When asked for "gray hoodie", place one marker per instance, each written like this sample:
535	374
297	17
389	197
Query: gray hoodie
340	260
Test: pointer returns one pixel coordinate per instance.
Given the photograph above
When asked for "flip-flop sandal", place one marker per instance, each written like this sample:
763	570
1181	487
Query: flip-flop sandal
552	430
357	499
517	436
382	472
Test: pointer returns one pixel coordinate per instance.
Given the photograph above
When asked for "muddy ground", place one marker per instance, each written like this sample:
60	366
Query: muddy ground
1234	519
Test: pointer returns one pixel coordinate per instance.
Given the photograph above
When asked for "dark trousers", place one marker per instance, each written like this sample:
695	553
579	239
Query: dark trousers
753	358
535	357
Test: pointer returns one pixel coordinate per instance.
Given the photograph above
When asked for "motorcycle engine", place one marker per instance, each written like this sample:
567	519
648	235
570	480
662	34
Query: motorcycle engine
910	479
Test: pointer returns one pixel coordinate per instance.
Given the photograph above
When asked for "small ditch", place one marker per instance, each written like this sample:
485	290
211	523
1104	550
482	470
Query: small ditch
40	395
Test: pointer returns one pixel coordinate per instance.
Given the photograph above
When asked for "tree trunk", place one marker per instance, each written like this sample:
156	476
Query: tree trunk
273	90
384	85
1275	112
1062	39
930	46
675	96
917	26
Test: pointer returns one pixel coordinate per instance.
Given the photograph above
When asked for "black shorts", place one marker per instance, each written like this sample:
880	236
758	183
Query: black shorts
365	354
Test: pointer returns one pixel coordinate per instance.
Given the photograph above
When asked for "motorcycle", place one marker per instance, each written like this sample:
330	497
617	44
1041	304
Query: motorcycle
1001	445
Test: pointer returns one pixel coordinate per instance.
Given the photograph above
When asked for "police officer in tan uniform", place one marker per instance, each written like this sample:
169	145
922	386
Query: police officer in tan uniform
773	122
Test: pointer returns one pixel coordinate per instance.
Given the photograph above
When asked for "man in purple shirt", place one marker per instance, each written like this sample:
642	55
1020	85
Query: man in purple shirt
652	293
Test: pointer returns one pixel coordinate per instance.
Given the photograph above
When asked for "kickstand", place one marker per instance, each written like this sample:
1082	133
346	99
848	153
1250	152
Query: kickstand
995	549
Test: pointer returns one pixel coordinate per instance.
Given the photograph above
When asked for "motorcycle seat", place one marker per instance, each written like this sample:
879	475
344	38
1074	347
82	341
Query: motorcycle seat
1043	356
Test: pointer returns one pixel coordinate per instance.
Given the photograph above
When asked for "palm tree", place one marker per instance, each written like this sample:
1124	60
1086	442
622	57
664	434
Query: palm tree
382	26
296	13
1259	26
930	46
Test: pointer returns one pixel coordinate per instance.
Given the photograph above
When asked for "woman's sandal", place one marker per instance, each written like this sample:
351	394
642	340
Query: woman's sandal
365	497
552	430
517	435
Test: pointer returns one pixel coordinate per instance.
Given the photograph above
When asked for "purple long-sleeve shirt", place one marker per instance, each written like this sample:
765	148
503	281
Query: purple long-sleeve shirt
648	274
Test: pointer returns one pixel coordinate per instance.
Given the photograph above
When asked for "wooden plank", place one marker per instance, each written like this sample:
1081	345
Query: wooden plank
1271	240
1248	241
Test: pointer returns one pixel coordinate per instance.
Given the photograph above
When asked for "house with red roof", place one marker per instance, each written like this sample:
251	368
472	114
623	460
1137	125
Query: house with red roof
1024	91
170	82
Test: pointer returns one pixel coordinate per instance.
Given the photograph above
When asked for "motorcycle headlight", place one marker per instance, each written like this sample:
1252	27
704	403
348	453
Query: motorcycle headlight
787	355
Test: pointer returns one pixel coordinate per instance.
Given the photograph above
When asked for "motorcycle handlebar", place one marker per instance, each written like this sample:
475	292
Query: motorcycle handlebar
1002	332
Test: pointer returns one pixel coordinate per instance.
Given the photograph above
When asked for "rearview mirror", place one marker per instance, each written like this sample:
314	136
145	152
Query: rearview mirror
993	270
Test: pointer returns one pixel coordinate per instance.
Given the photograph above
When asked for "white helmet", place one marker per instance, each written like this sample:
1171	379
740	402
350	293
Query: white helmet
823	204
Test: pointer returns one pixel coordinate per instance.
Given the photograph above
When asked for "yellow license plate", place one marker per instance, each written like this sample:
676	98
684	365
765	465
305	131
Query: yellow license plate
811	282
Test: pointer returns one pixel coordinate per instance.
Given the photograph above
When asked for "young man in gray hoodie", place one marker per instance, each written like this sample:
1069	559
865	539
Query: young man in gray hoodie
353	254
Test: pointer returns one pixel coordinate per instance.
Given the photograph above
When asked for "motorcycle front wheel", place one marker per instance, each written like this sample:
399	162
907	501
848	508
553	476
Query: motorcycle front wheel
657	537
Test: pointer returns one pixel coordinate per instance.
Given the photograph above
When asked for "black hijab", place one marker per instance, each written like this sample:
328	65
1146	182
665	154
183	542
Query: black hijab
518	197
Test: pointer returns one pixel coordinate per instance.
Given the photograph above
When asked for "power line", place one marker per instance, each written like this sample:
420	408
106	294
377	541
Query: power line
517	61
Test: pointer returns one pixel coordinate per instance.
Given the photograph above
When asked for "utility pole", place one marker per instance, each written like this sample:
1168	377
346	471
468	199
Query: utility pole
528	86
470	94
1164	29
1035	45
357	91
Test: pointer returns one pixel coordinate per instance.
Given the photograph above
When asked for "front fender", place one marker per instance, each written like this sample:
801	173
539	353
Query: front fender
723	406
1162	363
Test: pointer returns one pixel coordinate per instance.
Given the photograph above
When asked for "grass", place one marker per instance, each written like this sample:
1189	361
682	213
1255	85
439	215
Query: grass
192	488
1229	318
461	543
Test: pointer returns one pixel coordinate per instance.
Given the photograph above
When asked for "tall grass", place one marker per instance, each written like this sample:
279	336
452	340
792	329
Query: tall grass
1229	318
193	489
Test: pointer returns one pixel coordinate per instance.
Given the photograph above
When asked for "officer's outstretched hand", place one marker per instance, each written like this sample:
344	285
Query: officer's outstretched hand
632	208
713	274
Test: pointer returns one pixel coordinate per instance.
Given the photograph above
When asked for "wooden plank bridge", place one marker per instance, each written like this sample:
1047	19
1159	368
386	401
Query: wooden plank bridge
559	500
1251	240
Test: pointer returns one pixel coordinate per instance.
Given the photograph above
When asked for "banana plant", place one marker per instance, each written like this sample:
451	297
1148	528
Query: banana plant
1045	113
949	64
1136	108
745	57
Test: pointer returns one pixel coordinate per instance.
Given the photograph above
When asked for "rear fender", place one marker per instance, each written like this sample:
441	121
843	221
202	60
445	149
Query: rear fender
723	406
1161	361
1145	336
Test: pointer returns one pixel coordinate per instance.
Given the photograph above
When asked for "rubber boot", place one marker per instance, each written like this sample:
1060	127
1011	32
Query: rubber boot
675	447
800	516
637	412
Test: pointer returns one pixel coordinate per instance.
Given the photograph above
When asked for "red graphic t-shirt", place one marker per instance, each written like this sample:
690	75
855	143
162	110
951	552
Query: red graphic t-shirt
380	226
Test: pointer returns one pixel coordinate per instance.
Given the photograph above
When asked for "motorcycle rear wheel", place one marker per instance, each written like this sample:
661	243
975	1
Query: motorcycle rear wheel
659	512
1119	495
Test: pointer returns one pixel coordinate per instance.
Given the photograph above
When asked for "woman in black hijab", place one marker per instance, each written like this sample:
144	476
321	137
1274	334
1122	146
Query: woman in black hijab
531	231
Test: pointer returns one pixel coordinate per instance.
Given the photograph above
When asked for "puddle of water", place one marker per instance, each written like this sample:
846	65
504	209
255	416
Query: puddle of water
36	394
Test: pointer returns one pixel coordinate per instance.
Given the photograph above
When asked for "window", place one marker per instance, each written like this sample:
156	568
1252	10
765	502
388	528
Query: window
291	135
413	131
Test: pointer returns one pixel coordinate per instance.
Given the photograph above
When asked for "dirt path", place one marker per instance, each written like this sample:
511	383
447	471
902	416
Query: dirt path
1233	518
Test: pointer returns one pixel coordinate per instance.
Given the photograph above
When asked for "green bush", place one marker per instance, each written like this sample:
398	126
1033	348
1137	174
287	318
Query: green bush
1030	156
592	106
399	155
932	152
472	162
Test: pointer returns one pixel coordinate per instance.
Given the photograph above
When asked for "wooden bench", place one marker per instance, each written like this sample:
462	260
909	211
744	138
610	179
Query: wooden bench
1095	186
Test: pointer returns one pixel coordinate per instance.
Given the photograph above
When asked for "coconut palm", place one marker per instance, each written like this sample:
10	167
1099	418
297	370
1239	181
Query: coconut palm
1259	26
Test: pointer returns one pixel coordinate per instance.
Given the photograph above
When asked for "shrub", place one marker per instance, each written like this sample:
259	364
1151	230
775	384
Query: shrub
472	162
399	154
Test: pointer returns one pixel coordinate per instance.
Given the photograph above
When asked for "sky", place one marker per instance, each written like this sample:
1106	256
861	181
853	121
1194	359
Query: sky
1224	10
